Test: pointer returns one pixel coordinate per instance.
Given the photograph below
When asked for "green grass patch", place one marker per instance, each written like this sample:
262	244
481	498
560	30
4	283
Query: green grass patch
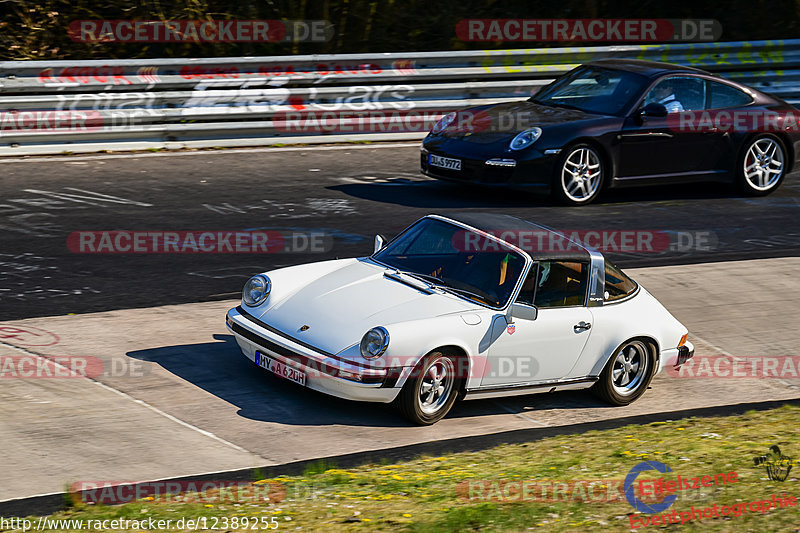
423	494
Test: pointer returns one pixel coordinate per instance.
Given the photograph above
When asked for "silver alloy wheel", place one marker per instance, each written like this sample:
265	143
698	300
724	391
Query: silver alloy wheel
763	164
630	368
581	174
437	385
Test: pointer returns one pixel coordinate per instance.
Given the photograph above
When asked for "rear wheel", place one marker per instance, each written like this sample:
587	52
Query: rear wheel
431	390
761	166
628	373
579	175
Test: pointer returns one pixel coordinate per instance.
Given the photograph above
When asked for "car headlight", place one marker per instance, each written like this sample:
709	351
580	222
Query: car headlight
256	290
374	343
443	123
525	138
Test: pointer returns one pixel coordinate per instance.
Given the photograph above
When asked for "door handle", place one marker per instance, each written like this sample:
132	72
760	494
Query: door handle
580	326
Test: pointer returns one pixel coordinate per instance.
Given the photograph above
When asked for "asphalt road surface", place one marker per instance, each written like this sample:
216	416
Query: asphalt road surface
324	203
177	398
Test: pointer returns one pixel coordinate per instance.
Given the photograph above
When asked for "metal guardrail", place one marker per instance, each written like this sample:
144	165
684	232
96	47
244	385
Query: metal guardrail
52	107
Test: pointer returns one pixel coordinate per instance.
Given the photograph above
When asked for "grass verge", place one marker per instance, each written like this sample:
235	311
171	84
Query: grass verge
468	491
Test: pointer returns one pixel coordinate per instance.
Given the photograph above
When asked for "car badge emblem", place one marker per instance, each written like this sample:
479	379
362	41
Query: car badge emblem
511	329
304	327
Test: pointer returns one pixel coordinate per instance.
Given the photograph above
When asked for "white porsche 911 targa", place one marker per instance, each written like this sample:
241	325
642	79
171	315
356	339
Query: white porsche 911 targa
460	306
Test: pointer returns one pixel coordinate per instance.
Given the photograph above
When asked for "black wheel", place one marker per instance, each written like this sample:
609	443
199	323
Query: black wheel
761	165
431	390
579	175
628	373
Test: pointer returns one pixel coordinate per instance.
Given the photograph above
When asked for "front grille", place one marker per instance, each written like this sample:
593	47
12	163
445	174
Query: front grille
472	171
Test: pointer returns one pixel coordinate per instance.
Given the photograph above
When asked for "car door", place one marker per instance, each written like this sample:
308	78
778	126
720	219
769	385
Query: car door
727	99
547	347
657	145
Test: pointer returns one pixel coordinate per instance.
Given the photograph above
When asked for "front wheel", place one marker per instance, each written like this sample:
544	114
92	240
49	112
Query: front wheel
762	165
628	373
579	175
430	391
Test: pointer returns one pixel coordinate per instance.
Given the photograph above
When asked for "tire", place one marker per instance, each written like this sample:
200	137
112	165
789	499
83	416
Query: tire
579	175
761	165
617	388
410	402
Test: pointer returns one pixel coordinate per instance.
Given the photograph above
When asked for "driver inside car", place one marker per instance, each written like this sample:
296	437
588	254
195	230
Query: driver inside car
664	93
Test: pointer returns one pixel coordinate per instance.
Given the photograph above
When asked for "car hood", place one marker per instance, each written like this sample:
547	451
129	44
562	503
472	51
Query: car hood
503	121
341	306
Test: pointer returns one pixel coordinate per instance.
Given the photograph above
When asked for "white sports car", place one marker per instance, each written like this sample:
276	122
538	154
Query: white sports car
466	306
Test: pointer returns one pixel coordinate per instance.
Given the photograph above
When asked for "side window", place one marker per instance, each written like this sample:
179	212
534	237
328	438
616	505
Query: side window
726	96
618	285
561	284
678	93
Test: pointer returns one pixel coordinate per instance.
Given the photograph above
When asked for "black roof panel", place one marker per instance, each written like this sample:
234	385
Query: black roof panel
644	67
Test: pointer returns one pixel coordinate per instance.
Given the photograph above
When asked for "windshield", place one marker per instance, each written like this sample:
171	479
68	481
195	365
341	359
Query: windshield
457	260
593	90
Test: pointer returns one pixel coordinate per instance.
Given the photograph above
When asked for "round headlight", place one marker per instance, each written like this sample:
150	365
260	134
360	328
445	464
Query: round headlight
443	123
526	138
374	343
256	290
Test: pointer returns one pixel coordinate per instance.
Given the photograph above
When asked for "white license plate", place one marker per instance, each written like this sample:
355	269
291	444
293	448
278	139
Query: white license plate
280	369
444	162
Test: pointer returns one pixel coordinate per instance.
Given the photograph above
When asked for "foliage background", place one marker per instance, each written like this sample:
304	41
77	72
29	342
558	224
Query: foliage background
38	30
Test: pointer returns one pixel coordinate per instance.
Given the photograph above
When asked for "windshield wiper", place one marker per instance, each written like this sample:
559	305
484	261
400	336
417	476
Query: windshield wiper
567	106
468	294
398	274
426	277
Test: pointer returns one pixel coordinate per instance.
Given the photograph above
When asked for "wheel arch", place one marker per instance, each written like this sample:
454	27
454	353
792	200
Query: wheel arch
450	348
649	339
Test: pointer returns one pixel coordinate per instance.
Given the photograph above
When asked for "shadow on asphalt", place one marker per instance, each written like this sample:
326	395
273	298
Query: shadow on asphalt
444	195
220	369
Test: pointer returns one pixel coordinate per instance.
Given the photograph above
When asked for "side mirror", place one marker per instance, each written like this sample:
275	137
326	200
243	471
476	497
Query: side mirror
654	109
379	242
522	311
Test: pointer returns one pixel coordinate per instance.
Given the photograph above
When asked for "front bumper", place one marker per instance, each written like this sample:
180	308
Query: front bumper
324	372
532	174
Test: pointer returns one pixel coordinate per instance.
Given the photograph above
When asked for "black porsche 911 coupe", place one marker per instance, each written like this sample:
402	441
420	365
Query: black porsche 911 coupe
617	123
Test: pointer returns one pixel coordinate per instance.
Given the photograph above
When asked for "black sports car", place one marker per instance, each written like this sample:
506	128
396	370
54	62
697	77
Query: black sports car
617	123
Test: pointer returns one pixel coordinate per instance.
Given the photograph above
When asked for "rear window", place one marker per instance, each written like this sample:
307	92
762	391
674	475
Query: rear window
723	96
618	285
